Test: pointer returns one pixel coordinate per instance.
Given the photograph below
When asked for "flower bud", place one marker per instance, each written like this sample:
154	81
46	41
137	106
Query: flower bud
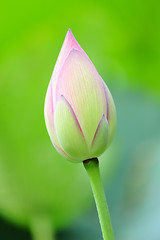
80	113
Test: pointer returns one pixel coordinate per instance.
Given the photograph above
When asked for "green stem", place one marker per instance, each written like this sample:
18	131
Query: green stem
41	228
92	168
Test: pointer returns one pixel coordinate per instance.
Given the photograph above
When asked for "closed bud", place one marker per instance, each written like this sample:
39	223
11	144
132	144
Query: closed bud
80	113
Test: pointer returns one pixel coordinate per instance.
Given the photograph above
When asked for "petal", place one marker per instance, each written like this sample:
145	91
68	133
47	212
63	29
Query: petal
80	83
111	114
69	132
68	44
100	140
48	113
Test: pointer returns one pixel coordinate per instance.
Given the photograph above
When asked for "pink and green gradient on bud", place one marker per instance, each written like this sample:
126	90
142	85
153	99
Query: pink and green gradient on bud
80	113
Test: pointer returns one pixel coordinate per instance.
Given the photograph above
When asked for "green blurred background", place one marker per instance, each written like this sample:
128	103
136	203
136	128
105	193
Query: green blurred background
40	192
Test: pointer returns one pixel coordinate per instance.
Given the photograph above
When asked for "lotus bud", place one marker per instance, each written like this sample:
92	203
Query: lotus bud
80	113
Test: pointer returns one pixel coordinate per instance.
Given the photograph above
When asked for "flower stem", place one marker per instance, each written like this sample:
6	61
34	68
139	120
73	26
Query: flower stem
41	228
92	168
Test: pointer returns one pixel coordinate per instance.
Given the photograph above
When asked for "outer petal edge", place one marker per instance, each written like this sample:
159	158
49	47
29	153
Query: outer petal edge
111	114
100	140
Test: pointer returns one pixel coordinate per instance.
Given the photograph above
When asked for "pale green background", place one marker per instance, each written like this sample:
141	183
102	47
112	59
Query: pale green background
122	38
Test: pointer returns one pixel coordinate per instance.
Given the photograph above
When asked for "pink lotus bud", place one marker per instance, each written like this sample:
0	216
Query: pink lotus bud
80	113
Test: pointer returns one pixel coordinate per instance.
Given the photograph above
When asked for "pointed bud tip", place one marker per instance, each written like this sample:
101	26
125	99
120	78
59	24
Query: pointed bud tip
70	37
69	33
69	30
